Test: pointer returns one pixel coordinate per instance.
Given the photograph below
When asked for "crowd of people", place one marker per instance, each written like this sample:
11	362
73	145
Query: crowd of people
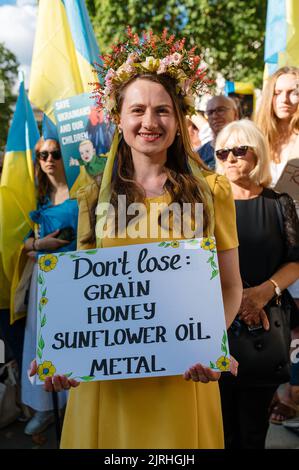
161	156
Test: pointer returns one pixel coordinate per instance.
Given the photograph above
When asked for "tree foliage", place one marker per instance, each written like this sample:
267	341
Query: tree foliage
230	33
8	74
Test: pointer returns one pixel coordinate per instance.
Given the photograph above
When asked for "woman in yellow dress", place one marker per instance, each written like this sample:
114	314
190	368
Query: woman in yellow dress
152	161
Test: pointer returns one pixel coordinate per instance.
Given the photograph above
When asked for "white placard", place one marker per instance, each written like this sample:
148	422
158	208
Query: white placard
131	311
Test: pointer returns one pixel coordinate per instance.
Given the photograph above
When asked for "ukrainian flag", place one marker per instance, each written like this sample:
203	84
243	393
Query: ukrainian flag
17	191
64	52
282	35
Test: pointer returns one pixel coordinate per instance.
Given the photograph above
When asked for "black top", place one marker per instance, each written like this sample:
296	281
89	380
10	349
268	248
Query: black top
261	245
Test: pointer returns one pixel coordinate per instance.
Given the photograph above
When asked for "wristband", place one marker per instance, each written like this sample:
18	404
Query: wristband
34	247
277	291
276	287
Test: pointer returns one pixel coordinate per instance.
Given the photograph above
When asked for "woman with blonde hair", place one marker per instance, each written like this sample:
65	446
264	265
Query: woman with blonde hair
269	263
278	118
149	87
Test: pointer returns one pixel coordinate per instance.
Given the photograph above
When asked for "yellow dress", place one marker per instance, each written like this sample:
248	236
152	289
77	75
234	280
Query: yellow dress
150	413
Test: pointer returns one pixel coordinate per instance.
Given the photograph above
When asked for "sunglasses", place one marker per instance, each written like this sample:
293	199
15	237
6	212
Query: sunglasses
56	154
237	152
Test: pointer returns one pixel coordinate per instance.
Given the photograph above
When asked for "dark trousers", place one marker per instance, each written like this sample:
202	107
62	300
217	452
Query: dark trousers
245	413
294	380
13	336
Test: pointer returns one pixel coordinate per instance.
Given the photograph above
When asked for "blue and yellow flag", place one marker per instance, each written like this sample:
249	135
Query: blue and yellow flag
244	95
64	52
282	35
17	191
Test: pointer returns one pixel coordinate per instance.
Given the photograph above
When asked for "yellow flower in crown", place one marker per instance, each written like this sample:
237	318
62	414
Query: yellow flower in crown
222	363
43	301
46	369
151	64
208	244
175	244
47	262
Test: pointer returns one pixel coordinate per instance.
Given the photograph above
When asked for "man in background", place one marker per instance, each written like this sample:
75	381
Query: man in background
220	111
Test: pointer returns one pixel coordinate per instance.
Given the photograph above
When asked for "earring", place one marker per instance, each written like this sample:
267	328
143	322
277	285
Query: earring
120	130
178	133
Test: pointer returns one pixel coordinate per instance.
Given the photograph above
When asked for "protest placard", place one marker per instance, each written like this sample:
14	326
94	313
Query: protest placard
83	135
289	179
132	311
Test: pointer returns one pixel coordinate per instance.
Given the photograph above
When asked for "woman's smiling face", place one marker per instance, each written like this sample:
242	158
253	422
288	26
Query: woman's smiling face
148	119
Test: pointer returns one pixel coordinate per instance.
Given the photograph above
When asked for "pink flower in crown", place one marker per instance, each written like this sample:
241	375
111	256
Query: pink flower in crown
162	68
175	58
166	61
108	88
110	75
107	117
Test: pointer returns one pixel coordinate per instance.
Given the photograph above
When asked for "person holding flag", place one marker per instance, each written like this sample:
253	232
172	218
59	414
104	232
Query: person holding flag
72	52
17	199
55	231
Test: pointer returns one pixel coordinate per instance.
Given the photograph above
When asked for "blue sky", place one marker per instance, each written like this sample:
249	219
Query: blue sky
17	29
8	2
20	2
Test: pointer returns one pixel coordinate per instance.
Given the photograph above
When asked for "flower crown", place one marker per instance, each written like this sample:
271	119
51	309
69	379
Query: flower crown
150	54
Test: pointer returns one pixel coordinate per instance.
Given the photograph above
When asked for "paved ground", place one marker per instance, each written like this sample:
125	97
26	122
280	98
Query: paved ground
279	437
13	437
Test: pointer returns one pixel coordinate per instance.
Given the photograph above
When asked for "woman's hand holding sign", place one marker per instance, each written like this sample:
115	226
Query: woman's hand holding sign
57	383
200	373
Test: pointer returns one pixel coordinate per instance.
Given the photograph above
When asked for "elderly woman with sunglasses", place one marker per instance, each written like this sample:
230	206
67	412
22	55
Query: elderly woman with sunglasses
266	271
55	212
